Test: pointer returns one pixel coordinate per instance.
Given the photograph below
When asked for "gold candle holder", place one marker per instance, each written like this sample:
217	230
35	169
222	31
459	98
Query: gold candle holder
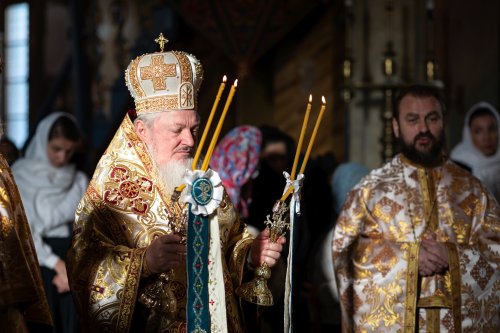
159	295
256	291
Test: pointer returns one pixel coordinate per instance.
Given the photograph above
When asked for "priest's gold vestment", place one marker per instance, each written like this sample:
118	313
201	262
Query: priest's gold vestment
22	298
122	211
376	246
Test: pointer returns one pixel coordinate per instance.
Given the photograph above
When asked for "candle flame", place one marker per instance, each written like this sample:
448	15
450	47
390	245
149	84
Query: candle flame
235	82
224	79
323	100
310	98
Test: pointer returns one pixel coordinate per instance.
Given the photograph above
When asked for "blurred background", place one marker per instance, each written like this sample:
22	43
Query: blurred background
71	55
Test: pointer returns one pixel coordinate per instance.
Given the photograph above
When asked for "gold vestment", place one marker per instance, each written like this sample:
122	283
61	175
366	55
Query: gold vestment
376	246
22	298
123	209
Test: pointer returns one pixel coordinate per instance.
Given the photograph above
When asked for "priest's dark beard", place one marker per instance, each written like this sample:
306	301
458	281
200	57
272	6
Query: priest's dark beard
430	158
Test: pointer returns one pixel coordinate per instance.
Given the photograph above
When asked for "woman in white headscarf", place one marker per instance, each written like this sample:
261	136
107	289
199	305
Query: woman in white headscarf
50	189
479	149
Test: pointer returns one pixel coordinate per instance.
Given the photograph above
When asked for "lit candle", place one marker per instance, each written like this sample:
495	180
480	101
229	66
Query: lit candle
209	122
309	147
313	136
229	99
301	139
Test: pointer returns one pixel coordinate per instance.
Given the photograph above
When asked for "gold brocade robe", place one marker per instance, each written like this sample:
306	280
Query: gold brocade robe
22	298
376	246
121	212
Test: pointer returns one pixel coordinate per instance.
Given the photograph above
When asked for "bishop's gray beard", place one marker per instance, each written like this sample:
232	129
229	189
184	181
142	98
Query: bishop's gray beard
171	174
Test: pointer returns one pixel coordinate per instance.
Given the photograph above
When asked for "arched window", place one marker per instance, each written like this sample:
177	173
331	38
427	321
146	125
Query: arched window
16	72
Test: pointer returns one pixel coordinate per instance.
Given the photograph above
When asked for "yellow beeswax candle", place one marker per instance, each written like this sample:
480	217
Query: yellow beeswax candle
209	123
213	142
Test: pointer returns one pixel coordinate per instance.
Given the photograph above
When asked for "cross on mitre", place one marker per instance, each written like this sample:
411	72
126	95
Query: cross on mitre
158	72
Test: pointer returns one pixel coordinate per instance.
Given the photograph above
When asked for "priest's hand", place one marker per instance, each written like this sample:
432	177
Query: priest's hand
263	250
164	253
433	258
60	280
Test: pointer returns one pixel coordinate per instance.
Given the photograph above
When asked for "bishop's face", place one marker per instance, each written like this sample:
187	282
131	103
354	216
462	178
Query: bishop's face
419	129
172	136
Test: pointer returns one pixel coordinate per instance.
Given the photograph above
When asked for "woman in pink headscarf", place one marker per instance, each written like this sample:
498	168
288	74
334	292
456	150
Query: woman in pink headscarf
236	159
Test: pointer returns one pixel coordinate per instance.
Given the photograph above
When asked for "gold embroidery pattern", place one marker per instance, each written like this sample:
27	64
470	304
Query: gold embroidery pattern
130	290
462	230
226	213
471	205
186	95
185	65
381	300
128	191
156	104
178	289
4	198
133	77
385	209
137	144
482	272
148	219
385	260
199	72
448	321
481	311
98	291
411	288
94	202
455	281
5	228
401	231
414	175
158	72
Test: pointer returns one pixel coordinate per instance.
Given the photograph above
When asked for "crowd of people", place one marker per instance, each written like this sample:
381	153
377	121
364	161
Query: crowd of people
153	243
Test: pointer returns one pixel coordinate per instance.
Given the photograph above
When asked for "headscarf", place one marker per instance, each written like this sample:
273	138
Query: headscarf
486	168
36	163
50	195
236	159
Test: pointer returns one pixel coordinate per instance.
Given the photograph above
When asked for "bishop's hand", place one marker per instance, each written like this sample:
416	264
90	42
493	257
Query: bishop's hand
263	250
164	253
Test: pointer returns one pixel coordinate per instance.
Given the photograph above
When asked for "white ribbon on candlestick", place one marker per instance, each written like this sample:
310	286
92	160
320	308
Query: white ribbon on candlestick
294	209
297	185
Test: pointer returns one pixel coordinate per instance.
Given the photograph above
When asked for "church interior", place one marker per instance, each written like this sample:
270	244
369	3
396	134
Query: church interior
355	53
71	55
